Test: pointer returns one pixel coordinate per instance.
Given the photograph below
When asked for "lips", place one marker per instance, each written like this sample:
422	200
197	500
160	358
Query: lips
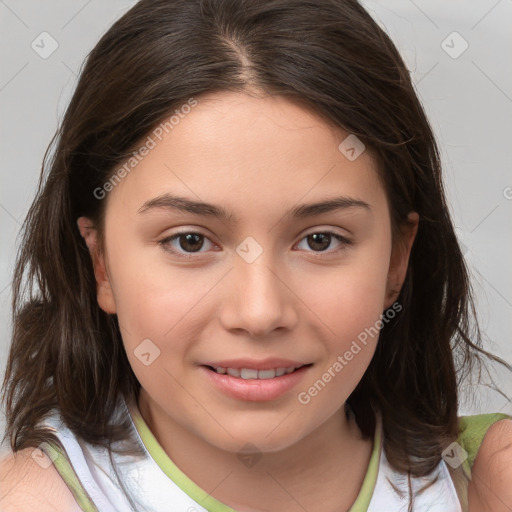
256	364
255	380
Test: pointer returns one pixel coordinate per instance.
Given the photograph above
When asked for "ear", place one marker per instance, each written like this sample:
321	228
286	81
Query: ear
104	290
399	260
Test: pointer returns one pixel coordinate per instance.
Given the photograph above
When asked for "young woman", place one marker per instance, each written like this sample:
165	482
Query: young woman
239	286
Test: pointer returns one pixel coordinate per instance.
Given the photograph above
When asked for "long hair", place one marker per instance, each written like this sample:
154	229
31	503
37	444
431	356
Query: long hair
333	58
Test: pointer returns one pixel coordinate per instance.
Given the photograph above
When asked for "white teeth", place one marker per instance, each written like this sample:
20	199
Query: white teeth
247	373
251	373
267	374
233	372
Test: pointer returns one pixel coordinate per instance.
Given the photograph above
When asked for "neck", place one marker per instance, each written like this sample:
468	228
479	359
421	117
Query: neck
328	464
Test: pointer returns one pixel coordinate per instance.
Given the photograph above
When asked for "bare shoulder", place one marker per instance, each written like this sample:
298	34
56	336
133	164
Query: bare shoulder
490	489
26	485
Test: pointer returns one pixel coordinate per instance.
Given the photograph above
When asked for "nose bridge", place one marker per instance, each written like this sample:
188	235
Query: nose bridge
258	301
256	278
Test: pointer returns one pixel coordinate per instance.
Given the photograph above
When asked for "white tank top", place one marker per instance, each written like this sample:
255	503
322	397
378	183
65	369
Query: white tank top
107	481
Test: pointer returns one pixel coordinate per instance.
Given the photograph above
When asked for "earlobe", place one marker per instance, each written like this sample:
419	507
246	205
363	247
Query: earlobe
104	290
400	258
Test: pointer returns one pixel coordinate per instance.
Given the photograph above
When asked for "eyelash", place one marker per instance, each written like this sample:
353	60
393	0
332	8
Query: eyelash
318	254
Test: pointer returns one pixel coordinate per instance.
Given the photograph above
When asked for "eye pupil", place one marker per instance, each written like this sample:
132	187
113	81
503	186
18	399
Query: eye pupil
191	239
319	239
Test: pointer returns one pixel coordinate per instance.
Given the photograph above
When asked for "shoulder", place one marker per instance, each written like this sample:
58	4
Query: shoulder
26	485
490	488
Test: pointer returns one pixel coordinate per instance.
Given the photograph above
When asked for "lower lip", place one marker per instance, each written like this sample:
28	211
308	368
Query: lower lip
255	390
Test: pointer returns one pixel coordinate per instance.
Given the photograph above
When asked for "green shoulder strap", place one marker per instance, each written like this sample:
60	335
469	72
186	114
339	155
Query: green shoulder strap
472	430
63	466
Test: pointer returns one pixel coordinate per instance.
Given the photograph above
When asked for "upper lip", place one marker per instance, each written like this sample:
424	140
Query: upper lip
264	364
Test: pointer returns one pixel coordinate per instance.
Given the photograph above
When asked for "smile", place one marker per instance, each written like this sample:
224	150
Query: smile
252	373
255	385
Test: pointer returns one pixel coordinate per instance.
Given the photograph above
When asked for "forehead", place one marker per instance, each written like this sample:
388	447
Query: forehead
243	151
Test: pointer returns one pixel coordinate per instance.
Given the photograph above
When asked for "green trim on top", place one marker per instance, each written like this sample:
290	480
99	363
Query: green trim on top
472	430
171	470
365	494
204	499
66	471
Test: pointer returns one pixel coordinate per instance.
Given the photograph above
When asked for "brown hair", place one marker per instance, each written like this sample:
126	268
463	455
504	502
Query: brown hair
332	57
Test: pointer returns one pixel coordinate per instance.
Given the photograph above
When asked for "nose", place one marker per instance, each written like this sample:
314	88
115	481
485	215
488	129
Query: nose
258	299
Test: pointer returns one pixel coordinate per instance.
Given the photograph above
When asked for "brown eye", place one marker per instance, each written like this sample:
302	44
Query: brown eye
190	242
319	241
185	243
322	240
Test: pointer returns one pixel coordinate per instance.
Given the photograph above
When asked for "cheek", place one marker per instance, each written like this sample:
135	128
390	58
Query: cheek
350	312
158	326
351	296
349	302
164	304
150	296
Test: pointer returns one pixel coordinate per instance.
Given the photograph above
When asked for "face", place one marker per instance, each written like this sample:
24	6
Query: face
259	281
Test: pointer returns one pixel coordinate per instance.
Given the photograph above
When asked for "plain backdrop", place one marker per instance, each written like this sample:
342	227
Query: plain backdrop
458	53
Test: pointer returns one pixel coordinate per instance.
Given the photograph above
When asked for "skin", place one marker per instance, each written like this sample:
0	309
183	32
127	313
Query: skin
489	489
258	158
281	304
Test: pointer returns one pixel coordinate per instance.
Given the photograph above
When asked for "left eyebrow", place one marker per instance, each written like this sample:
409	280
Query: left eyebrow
172	202
336	203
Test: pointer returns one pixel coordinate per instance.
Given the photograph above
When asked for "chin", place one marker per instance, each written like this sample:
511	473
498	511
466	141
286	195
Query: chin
259	440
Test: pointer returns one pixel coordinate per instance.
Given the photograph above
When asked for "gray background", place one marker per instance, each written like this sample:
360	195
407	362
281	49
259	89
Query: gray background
467	96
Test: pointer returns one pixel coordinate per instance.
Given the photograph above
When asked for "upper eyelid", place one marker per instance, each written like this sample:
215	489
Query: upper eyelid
331	230
173	236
